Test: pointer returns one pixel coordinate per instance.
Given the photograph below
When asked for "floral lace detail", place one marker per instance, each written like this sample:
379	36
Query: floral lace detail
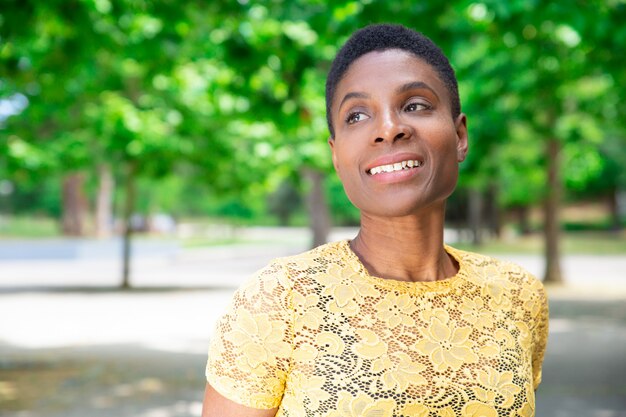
315	335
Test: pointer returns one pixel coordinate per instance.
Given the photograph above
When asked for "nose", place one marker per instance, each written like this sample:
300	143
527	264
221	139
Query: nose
391	128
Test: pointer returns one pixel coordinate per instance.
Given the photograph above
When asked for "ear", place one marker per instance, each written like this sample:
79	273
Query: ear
331	143
461	134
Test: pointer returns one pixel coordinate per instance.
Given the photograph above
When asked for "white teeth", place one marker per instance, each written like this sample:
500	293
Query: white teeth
396	166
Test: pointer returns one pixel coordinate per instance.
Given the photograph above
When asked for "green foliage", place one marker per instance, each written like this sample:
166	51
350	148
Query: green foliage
579	242
28	226
284	202
342	211
215	104
40	198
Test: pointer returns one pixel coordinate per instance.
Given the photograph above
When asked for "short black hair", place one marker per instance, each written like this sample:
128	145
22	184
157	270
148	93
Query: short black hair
381	37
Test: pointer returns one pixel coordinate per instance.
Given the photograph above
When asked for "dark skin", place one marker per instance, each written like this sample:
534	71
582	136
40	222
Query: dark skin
390	107
216	405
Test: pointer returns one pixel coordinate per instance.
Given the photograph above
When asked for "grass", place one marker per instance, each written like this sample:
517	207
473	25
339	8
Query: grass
573	243
28	227
589	241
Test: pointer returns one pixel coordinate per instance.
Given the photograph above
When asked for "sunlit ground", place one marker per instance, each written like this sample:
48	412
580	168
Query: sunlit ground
106	354
71	344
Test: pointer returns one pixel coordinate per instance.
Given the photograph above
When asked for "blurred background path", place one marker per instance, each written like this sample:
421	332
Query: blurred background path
184	123
91	264
71	344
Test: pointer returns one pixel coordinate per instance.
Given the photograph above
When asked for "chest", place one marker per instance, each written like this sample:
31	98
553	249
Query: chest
397	351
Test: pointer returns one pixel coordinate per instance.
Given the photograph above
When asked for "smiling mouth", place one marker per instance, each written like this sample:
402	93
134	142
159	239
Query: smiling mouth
398	166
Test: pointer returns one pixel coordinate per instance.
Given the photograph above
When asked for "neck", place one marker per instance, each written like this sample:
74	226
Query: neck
404	248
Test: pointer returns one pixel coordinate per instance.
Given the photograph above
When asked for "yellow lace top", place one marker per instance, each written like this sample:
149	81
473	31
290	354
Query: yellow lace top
315	335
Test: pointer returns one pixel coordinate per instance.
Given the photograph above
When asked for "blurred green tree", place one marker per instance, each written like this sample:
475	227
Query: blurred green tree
231	94
546	71
110	85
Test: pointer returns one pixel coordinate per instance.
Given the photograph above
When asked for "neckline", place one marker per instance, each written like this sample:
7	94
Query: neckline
407	285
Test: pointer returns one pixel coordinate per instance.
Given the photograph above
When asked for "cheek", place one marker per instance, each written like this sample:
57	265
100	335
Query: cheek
344	157
349	178
448	172
445	156
349	188
348	172
446	145
447	160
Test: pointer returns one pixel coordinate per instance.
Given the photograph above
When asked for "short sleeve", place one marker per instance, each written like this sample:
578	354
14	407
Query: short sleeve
250	351
540	337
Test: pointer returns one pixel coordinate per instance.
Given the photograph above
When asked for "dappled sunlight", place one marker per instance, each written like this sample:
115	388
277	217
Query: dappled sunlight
196	132
562	325
121	392
170	321
181	408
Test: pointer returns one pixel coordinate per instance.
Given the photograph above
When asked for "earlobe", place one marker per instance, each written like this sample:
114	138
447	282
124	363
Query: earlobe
461	133
331	143
461	155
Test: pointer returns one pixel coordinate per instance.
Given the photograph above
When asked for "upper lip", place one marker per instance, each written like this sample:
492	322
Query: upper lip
394	158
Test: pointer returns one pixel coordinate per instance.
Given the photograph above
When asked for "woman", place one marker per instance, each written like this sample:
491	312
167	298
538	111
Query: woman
394	322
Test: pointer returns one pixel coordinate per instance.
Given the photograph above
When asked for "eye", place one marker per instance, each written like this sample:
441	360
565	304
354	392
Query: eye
417	106
355	117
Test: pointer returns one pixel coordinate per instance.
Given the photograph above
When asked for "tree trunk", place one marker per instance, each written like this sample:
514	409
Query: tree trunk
129	207
523	213
74	204
614	210
319	218
475	213
551	214
104	202
494	218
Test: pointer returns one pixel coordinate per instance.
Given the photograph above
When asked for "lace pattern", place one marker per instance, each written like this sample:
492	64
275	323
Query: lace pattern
315	335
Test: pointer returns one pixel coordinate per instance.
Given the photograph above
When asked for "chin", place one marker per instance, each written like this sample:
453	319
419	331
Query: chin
403	204
413	208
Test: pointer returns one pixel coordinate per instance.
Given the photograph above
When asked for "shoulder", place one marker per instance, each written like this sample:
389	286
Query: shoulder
505	286
316	260
287	272
323	254
485	269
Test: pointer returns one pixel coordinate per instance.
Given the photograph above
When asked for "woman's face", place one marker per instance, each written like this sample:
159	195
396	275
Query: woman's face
396	146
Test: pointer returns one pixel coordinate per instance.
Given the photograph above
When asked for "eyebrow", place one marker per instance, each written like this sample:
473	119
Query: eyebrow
403	88
352	95
414	86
